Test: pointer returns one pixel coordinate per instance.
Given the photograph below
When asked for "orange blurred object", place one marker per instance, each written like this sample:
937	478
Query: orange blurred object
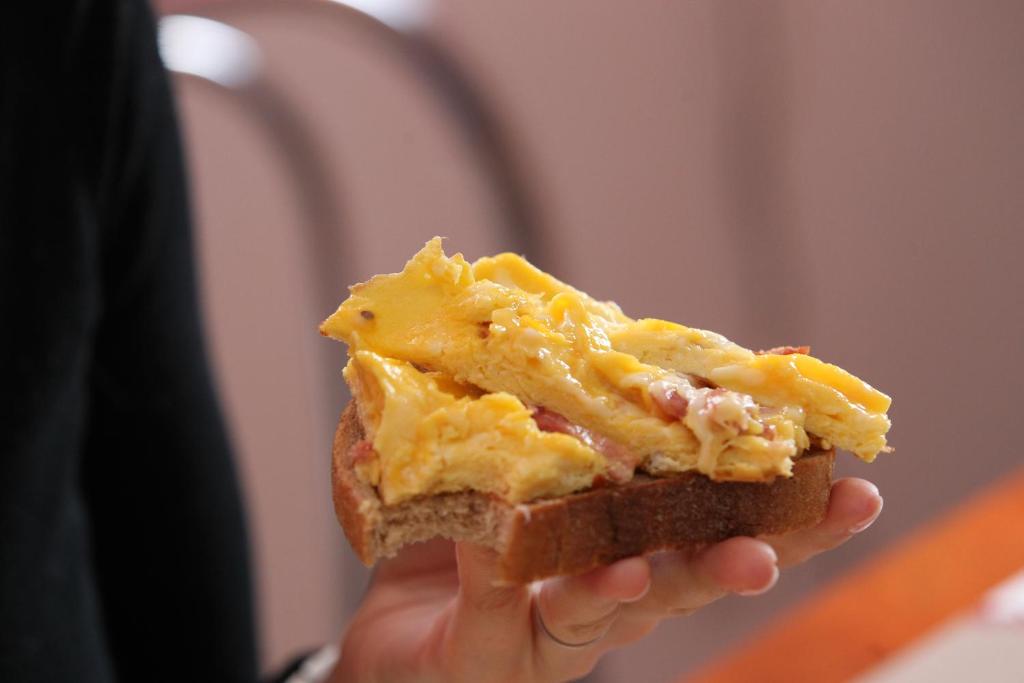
863	618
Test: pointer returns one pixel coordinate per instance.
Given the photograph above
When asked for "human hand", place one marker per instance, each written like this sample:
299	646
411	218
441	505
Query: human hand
432	614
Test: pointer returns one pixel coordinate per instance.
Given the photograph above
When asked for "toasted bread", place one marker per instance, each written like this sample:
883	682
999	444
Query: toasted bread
580	531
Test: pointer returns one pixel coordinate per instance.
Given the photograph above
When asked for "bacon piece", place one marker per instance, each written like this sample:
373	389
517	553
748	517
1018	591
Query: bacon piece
674	397
784	350
550	421
621	461
362	452
671	402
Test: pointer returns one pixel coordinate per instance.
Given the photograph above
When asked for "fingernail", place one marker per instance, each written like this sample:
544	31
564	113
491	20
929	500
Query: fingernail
640	595
861	526
767	587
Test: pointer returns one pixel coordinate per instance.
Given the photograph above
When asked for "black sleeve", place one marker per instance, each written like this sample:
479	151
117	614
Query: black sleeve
171	557
123	554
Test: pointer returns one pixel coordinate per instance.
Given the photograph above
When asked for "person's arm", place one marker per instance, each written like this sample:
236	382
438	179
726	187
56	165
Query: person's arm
169	543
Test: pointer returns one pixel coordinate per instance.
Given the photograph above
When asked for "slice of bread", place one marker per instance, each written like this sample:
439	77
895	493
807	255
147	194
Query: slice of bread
580	531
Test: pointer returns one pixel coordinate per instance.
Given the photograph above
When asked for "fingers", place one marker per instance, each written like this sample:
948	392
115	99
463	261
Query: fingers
437	555
682	583
574	613
490	624
739	565
480	597
580	609
853	506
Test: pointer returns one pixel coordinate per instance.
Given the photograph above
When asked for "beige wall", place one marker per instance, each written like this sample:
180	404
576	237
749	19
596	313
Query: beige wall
841	174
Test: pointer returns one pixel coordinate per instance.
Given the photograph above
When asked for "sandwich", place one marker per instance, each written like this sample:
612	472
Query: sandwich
493	403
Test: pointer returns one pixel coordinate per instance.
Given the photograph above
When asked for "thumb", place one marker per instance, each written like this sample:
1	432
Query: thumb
490	624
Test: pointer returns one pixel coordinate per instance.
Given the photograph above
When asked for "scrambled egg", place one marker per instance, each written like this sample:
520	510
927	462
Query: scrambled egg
448	360
440	436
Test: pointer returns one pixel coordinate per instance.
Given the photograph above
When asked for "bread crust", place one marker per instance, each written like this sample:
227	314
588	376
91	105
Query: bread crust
574	533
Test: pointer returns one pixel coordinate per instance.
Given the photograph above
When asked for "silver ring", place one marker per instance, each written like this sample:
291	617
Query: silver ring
538	620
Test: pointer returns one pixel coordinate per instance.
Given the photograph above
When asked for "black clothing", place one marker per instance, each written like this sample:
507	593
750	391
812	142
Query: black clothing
123	554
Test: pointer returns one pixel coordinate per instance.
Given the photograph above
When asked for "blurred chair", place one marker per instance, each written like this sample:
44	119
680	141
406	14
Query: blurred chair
324	145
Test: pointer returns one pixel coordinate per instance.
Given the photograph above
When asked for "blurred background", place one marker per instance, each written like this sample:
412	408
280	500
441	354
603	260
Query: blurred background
845	175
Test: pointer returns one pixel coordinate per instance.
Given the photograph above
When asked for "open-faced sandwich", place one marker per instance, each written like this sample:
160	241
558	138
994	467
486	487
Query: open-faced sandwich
496	404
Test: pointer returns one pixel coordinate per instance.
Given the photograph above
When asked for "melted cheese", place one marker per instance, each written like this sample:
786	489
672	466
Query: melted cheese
497	336
433	436
840	408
